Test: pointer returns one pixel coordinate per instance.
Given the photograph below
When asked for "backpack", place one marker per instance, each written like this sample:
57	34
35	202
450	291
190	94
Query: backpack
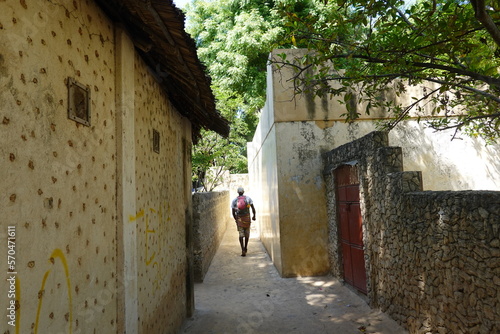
242	205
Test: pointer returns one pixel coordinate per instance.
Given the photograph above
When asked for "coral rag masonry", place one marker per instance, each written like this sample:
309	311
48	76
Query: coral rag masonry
443	243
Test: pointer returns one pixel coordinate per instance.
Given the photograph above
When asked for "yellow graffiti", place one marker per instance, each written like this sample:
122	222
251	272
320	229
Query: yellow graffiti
57	253
153	219
140	214
42	289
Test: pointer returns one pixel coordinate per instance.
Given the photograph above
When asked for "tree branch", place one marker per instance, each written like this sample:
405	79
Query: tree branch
486	20
465	33
410	107
471	89
371	77
403	17
473	75
462	123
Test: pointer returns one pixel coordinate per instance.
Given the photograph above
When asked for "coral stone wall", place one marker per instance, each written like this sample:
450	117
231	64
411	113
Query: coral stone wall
57	177
432	258
451	246
163	206
211	217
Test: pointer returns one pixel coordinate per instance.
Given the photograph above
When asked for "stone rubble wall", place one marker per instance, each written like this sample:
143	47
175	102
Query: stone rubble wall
432	258
211	215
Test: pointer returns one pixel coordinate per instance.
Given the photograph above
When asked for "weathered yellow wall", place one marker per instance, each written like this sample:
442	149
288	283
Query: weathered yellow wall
309	107
57	177
433	153
264	177
462	164
100	219
304	106
302	213
163	201
285	164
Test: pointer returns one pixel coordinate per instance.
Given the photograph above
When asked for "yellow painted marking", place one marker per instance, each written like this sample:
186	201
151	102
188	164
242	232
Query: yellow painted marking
148	259
40	301
57	253
139	214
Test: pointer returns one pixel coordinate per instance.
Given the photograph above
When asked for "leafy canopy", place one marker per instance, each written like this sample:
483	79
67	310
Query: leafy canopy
450	46
373	43
233	39
213	154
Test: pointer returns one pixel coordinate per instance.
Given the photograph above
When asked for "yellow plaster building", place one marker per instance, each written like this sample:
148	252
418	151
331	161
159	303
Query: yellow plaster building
99	104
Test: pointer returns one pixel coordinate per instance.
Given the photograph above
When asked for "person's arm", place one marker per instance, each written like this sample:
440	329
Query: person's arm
235	216
253	211
234	211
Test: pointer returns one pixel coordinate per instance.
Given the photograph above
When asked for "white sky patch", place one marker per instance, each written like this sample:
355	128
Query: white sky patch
181	3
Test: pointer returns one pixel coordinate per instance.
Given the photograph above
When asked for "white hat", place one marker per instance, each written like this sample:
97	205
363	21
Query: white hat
241	190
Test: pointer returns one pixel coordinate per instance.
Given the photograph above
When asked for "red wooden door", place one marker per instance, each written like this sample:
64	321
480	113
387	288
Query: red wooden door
350	226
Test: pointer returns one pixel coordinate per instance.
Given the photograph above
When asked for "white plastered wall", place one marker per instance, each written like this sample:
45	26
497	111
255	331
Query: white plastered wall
285	160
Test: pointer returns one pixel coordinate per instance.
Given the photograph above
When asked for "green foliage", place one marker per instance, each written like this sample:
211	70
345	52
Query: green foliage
234	39
361	50
217	154
374	45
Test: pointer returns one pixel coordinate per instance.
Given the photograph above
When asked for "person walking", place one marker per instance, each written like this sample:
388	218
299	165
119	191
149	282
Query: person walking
241	213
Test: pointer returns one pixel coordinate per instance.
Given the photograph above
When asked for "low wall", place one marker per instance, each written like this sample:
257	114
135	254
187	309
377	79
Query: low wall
449	281
211	215
432	258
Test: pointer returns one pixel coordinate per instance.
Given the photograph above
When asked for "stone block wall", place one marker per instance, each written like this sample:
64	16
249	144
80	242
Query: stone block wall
432	258
211	215
231	182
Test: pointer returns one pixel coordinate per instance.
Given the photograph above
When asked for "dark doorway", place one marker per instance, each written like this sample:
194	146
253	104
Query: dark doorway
350	226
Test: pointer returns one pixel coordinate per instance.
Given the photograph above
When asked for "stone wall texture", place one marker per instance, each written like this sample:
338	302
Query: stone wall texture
285	165
432	258
211	216
239	180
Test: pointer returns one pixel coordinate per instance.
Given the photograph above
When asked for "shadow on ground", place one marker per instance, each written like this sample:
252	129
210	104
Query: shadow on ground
242	295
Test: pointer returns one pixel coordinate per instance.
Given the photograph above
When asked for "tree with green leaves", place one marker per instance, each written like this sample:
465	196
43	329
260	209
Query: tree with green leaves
234	39
213	154
372	44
